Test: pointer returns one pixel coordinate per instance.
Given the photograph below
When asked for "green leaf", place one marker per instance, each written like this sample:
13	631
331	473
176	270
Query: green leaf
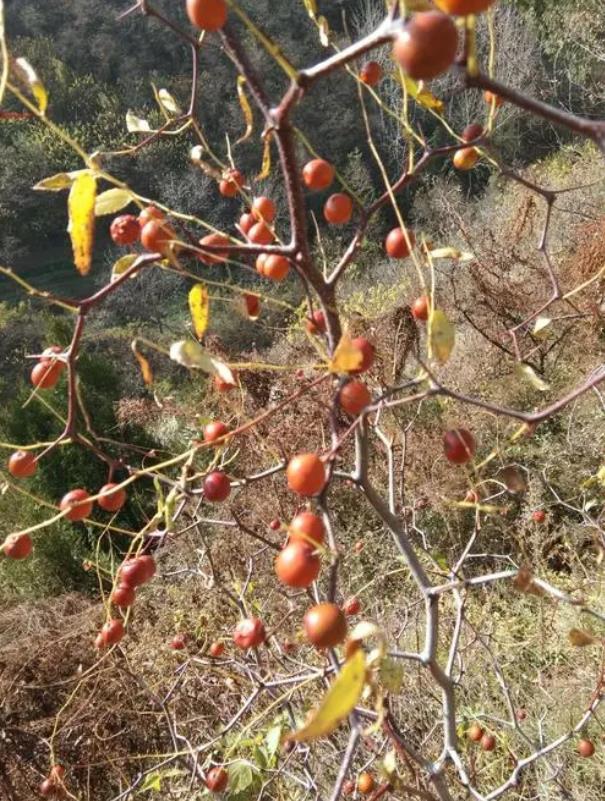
81	208
391	674
526	372
121	265
442	336
389	763
112	201
241	776
273	739
421	94
338	702
153	781
28	73
199	306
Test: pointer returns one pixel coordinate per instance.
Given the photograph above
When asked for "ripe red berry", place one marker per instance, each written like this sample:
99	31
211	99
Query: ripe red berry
275	267
246	221
263	208
338	209
306	474
232	182
325	625
316	322
260	234
125	230
252	305
297	565
249	633
351	606
318	175
178	642
77	503
217	649
354	397
17	546
123	596
459	445
216	780
46	374
216	257
156	236
112	632
214	431
538	515
137	571
22	464
586	748
150	213
396	244
488	742
367	354
275	524
307	527
427	45
111	499
208	15
421	308
217	487
471	132
371	73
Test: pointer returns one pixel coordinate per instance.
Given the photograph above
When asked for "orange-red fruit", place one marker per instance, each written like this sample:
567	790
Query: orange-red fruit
246	221
249	633
46	374
112	632
472	131
252	305
17	546
216	780
490	98
475	732
396	244
427	45
354	397
231	183
217	649
263	208
178	642
463	7
217	256
421	308
316	322
488	742
325	625
22	464
297	565
150	213
275	267
78	504
208	15
318	174
156	236
371	73
586	748
307	527
459	445
466	158
338	209
365	783
137	571
111	499
125	229
260	234
217	487
352	606
123	596
306	474
214	431
538	515
49	788
367	354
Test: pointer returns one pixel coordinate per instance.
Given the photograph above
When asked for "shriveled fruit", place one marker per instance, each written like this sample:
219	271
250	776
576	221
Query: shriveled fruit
218	256
297	565
488	742
215	430
217	779
249	633
586	748
354	397
365	783
427	45
276	267
51	788
367	354
112	632
316	322
370	73
421	308
17	546
178	642
325	625
123	596
125	229
466	158
208	15
472	131
307	527
306	474
318	174
232	182
217	649
260	234
492	99
475	732
156	236
396	244
463	7
538	515
217	486
78	503
263	208
338	209
112	497
57	772
459	445
46	374
352	606
22	464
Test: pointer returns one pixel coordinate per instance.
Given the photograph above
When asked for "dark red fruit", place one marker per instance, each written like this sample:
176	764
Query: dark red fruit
371	73
396	244
351	606
217	487
215	430
78	503
459	445
123	596
17	546
46	374
325	625
112	632
338	209
427	45
125	230
216	780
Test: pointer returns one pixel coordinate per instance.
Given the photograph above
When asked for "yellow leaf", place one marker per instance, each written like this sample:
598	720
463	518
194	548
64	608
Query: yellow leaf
135	124
55	183
540	326
246	109
346	356
445	253
112	201
168	102
199	307
28	73
528	373
190	354
442	336
581	638
422	95
311	7
338	702
144	364
121	265
266	165
270	46
81	207
324	31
